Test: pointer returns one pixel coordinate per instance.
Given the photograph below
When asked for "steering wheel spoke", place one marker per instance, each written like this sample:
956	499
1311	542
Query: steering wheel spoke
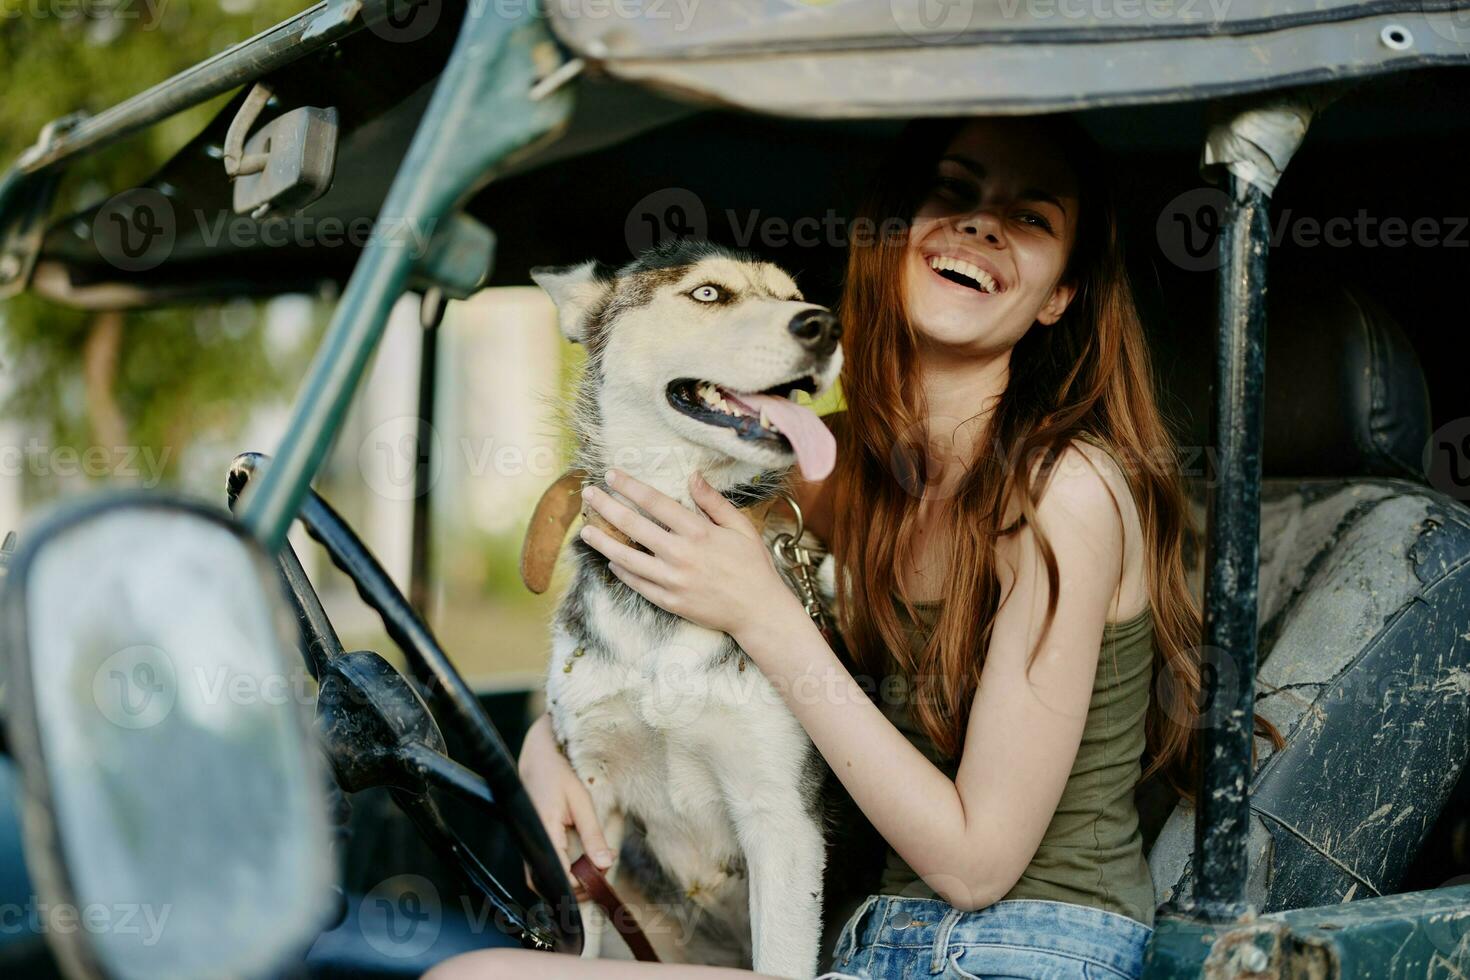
379	731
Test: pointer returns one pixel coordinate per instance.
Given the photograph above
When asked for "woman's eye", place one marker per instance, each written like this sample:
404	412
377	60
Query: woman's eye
1036	220
954	187
707	294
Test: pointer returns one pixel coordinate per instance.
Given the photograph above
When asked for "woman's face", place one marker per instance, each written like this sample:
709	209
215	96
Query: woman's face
990	239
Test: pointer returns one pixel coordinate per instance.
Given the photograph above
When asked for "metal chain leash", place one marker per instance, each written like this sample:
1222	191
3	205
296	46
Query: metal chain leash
802	564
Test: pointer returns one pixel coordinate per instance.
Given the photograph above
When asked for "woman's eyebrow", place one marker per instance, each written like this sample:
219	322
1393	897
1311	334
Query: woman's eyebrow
1029	194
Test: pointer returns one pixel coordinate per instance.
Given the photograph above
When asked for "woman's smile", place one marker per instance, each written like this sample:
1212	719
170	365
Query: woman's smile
988	248
973	273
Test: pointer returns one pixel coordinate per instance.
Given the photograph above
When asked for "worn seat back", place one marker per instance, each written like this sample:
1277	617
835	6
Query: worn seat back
1364	612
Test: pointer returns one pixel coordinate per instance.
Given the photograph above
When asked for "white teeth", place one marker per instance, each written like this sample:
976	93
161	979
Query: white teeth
711	396
943	263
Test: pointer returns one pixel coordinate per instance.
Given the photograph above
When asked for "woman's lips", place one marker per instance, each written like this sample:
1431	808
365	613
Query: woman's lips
978	293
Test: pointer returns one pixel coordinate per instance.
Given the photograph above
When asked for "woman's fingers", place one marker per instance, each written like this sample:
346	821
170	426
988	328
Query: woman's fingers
556	830
578	892
717	507
628	520
560	844
664	508
650	590
593	842
640	563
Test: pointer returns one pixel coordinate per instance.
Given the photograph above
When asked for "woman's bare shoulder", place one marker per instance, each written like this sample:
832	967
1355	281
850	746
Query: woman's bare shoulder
1087	479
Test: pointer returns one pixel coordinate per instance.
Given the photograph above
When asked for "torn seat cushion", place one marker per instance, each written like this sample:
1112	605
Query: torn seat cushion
1365	633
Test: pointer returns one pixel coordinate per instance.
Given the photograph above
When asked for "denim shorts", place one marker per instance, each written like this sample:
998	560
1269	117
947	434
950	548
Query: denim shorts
890	937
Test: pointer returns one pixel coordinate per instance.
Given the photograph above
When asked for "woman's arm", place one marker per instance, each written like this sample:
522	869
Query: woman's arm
561	800
970	839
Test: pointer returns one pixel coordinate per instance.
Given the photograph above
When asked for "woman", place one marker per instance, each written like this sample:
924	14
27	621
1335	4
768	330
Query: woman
1002	464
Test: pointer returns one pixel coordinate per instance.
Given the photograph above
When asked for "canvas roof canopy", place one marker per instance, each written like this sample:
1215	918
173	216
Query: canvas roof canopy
848	58
694	95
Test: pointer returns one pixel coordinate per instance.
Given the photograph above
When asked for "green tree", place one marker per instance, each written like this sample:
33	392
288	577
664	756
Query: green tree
150	378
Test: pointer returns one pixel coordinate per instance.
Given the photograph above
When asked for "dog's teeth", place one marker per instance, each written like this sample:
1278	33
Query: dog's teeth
711	396
765	422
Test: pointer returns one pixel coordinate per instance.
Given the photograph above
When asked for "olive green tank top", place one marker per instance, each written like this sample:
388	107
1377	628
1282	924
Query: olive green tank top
1092	853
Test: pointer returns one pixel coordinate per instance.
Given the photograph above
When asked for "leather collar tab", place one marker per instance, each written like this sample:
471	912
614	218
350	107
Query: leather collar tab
562	502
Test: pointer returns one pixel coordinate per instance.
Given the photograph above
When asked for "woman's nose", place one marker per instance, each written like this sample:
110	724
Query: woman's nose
983	224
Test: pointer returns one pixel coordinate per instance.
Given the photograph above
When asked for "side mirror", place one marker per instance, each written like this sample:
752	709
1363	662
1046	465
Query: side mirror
175	808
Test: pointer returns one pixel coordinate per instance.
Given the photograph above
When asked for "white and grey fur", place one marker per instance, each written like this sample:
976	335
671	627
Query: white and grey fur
706	785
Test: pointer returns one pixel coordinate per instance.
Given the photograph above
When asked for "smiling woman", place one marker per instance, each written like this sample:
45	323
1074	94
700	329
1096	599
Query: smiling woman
1000	462
1012	544
989	240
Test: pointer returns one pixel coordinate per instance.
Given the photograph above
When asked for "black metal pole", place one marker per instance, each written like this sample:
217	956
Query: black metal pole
1232	558
420	580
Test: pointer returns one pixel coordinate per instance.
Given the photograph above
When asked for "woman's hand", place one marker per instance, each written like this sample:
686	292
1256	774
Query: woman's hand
711	568
561	800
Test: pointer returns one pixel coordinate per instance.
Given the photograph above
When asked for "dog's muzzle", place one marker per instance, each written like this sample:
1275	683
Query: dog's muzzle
816	330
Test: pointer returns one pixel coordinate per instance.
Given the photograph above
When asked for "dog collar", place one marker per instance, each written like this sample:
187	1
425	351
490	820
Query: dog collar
562	503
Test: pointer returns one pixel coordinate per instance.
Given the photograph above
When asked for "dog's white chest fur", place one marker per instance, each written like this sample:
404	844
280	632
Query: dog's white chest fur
665	727
701	762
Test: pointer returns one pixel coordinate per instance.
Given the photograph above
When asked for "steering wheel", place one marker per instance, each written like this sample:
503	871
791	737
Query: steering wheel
378	730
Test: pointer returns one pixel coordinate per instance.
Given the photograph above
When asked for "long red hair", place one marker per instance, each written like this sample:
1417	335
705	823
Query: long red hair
1088	372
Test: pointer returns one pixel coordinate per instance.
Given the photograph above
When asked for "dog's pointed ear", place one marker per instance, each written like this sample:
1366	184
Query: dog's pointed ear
576	290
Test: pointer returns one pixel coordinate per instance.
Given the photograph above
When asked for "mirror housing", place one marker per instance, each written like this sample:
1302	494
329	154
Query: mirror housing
175	801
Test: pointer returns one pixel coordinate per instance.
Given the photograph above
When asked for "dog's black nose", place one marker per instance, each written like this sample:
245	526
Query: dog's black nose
817	330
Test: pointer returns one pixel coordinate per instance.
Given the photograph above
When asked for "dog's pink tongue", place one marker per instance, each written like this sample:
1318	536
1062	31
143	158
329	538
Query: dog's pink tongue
816	450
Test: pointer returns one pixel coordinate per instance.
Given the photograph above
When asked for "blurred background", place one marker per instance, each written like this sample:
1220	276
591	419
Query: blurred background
167	397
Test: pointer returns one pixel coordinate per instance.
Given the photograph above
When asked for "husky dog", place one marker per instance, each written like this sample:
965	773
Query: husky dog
707	787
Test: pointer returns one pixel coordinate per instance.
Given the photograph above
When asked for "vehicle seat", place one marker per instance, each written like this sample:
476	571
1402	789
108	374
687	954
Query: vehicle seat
1364	608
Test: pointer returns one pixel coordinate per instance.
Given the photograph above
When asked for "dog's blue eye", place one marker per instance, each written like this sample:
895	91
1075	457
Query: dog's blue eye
707	294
